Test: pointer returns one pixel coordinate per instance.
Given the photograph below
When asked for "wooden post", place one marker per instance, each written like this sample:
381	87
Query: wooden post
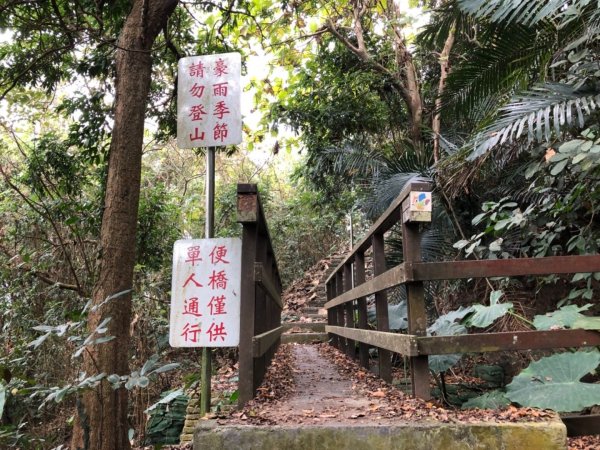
381	307
247	214
415	293
359	278
332	313
260	306
339	285
349	308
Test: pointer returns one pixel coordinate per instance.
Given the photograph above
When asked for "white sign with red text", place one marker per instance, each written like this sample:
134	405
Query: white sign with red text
209	101
205	293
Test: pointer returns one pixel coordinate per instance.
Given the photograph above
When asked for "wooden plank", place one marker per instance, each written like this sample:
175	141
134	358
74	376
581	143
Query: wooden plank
387	220
332	314
578	425
485	268
341	320
264	281
495	342
381	307
386	280
349	310
405	344
263	342
359	278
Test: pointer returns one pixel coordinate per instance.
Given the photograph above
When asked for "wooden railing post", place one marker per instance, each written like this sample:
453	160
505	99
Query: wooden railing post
415	293
349	308
359	278
260	308
339	288
260	295
381	307
332	313
247	205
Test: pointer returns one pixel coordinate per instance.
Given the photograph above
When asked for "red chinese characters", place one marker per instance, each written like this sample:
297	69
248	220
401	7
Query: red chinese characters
191	332
209	89
217	305
215	331
197	70
205	294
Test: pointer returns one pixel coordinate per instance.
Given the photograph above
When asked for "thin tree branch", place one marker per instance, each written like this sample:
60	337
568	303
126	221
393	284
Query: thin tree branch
444	61
48	217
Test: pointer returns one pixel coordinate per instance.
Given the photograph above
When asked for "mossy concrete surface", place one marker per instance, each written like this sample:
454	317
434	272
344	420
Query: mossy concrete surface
549	435
304	338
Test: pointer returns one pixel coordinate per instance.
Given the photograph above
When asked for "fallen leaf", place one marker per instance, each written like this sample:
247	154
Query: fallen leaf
377	394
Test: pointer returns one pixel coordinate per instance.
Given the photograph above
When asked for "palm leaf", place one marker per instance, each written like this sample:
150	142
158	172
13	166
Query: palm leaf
505	61
528	12
542	112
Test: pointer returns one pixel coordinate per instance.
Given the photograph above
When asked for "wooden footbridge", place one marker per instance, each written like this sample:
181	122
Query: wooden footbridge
348	288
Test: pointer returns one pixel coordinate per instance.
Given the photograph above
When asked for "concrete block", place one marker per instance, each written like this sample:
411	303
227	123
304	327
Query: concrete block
422	436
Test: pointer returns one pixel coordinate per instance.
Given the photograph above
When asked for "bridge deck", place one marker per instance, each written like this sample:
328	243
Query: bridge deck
333	403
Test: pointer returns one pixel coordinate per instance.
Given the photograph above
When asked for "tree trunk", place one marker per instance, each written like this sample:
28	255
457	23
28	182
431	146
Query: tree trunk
102	413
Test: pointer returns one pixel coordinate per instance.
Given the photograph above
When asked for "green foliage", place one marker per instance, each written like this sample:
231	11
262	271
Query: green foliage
544	109
305	227
490	400
397	316
158	217
484	316
167	417
565	317
553	382
542	112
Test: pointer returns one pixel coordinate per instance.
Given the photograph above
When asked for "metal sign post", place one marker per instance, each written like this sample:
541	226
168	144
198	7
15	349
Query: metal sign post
208	115
209	232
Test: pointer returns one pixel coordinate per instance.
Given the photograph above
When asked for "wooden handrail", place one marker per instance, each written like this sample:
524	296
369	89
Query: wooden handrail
343	298
260	296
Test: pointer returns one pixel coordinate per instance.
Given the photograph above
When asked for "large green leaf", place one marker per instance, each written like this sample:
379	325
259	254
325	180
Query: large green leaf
565	317
441	363
490	400
484	316
397	316
440	326
587	323
553	383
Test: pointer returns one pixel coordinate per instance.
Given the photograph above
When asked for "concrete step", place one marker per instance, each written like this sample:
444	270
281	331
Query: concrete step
303	338
311	310
316	316
420	436
305	326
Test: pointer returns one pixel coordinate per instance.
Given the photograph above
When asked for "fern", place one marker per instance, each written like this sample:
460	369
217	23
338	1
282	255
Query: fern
542	112
528	12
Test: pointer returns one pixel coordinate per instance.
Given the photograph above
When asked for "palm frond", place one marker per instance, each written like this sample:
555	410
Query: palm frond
542	112
526	12
505	62
354	159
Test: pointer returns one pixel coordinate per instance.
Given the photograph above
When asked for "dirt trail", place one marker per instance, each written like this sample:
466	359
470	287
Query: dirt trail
323	395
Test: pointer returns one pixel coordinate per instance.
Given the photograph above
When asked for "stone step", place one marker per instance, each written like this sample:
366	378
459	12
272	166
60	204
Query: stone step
316	316
303	338
308	326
